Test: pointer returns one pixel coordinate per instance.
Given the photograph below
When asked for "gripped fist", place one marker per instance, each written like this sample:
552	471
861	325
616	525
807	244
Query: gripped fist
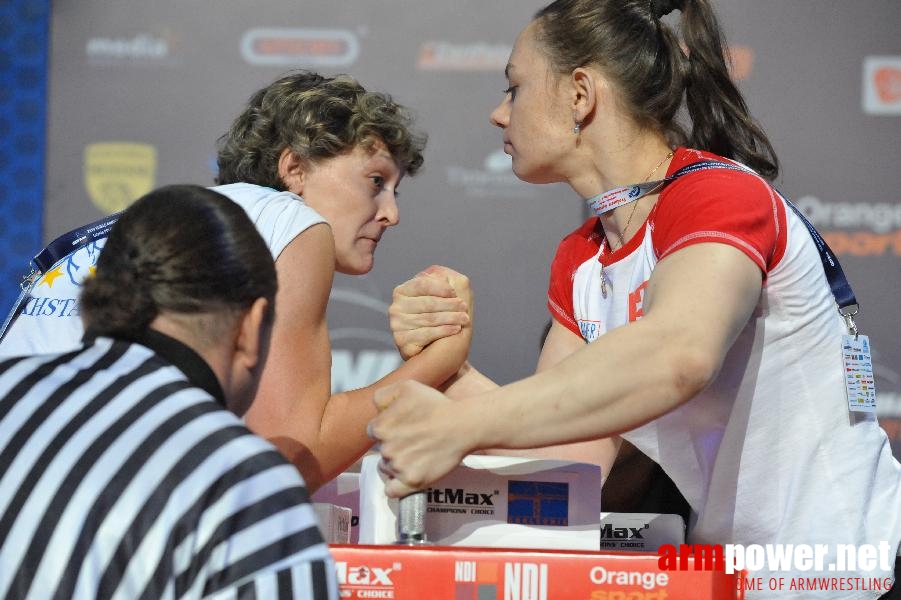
434	304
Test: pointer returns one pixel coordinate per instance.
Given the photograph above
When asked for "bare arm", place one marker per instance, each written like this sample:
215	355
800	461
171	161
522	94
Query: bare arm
320	433
559	344
296	381
696	303
422	311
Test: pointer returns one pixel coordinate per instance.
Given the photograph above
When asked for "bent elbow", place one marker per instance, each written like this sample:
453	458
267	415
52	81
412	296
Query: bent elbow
692	371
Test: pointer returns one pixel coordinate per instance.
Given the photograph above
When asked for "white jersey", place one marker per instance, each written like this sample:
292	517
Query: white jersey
49	320
769	453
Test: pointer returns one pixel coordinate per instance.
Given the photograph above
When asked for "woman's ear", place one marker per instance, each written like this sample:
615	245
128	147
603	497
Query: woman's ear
585	91
291	170
252	340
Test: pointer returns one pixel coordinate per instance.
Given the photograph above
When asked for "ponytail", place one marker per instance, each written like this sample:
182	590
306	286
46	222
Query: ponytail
721	122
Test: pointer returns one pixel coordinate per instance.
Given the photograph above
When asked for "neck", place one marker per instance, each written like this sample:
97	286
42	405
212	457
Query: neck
607	166
621	223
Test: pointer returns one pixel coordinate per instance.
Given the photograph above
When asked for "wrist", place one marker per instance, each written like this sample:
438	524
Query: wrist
461	373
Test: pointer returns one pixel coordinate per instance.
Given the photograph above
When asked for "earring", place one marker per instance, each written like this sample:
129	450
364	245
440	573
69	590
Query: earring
577	128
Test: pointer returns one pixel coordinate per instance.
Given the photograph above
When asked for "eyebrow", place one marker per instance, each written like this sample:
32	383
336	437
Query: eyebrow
507	70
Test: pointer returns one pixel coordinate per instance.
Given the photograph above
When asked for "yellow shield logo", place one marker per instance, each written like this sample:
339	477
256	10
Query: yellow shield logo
118	173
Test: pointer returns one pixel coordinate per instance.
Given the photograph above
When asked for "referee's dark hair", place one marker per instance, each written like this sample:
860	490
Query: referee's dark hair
179	250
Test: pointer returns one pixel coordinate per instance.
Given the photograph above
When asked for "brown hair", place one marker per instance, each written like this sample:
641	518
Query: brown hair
642	55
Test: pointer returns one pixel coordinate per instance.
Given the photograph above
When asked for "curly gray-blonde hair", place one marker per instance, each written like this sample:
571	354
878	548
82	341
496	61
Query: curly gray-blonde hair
317	117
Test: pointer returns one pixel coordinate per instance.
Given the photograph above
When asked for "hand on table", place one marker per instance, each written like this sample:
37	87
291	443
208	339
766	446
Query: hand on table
421	438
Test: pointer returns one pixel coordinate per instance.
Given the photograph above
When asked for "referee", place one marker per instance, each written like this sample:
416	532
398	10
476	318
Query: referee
125	471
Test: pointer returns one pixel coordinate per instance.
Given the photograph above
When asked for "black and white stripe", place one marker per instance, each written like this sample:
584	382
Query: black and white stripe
121	479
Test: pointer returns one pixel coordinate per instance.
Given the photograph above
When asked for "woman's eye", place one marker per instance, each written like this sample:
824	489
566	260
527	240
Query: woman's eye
378	181
512	91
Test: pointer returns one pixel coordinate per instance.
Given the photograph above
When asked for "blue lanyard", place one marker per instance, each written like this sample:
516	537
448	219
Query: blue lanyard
58	249
838	283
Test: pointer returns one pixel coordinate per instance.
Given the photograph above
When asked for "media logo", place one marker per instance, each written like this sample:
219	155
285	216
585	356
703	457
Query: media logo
141	48
882	85
447	56
294	47
118	173
538	503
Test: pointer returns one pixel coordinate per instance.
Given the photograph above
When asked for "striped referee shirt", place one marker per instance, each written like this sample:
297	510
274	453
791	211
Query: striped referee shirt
123	476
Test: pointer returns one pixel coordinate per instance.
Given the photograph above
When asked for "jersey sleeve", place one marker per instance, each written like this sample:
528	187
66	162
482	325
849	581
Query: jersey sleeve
722	206
575	249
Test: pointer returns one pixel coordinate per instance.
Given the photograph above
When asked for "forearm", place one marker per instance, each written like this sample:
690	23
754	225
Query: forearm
624	379
467	381
343	438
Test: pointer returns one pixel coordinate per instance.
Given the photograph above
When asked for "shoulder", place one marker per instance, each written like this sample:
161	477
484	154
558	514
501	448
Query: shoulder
279	216
733	205
733	183
580	244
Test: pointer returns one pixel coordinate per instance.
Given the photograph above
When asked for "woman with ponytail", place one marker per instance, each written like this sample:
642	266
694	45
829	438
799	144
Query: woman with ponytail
692	315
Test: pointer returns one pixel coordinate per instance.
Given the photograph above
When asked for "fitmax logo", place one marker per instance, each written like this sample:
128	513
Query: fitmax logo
459	496
609	532
362	575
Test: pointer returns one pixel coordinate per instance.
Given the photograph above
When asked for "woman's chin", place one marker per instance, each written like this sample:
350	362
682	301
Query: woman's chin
355	267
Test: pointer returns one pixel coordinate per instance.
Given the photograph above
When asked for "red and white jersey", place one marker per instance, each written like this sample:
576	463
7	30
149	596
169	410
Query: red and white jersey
768	453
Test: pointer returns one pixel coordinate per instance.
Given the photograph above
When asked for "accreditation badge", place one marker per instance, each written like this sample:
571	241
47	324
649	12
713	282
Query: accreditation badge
859	380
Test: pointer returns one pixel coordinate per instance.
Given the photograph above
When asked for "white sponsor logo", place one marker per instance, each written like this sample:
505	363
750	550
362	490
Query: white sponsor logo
525	581
141	47
495	178
879	217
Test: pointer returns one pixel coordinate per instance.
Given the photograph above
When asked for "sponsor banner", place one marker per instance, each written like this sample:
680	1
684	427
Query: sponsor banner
485	574
882	85
296	47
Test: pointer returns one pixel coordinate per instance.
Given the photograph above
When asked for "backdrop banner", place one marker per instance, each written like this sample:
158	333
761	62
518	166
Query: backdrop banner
140	91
